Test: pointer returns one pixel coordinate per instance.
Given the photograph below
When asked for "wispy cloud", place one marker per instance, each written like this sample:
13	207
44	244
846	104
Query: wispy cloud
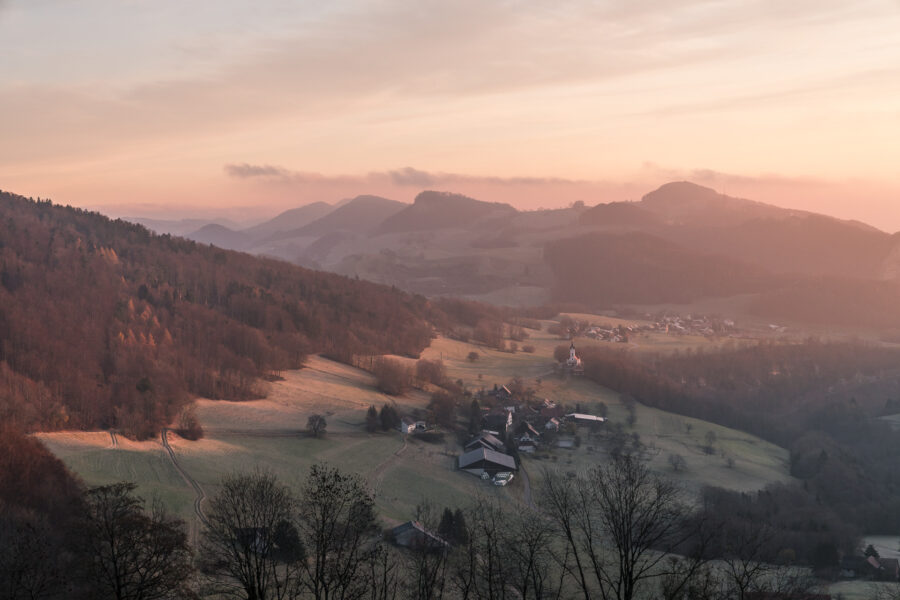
402	177
246	171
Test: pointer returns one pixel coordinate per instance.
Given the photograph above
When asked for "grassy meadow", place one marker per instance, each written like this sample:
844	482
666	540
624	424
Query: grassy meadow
269	434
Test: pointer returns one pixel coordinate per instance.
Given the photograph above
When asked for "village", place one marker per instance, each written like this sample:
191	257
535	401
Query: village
663	322
513	422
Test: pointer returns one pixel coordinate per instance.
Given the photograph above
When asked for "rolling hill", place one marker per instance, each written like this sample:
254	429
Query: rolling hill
103	324
442	210
289	219
636	267
361	214
221	236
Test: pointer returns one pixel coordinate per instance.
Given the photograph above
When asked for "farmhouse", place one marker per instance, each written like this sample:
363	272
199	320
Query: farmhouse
408	425
498	420
526	445
483	460
412	535
501	393
486	440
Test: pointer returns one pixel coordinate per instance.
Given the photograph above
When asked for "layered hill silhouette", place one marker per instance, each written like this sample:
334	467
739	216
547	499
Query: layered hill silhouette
363	213
680	243
782	240
442	210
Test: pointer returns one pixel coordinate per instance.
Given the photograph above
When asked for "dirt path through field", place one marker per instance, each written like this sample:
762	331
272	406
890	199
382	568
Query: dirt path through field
200	494
526	487
378	473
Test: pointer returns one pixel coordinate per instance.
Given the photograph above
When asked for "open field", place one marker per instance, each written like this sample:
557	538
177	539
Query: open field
756	462
92	456
269	434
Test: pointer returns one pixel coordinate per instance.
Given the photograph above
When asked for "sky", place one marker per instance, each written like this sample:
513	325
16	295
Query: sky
168	108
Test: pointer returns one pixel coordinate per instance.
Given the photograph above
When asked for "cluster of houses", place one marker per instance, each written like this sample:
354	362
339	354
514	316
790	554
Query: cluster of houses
694	325
525	426
664	323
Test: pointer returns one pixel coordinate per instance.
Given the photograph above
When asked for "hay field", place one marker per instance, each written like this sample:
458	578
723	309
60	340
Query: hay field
756	462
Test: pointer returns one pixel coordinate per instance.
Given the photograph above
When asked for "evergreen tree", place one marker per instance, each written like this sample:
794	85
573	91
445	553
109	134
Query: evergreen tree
372	420
389	417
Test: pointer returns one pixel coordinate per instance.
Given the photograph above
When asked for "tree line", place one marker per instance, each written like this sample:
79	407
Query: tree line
616	532
820	400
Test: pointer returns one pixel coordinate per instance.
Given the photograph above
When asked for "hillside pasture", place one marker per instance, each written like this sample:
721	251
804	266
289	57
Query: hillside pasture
756	463
268	434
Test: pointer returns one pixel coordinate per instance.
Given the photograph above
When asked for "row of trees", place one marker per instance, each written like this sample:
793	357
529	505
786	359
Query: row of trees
819	400
617	532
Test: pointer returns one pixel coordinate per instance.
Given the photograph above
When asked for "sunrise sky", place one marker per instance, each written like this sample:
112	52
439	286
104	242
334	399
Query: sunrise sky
175	108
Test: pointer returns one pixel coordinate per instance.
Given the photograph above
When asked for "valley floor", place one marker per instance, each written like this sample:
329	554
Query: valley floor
403	471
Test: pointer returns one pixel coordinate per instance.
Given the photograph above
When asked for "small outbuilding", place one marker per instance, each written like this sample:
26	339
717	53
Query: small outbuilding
412	535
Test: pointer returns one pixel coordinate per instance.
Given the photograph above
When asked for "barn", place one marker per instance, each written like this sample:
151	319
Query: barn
484	460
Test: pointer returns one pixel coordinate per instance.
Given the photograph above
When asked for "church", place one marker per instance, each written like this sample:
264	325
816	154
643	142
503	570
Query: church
573	363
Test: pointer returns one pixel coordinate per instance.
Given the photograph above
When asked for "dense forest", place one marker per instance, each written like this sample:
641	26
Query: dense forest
604	269
103	324
819	400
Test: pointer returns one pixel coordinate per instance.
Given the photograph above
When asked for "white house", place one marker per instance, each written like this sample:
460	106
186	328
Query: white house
408	425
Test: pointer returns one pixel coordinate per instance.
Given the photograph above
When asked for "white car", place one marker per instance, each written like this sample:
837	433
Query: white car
502	478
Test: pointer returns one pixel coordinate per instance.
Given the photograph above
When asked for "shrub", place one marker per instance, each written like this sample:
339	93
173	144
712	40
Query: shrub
392	377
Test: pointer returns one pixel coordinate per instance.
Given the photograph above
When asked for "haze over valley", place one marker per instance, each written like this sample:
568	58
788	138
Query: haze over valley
449	301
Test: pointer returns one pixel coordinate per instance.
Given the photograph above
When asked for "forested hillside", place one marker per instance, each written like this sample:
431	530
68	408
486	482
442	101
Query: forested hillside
103	324
820	400
606	268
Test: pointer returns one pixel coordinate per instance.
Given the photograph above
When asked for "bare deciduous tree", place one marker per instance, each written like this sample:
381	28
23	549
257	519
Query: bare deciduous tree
129	553
337	522
251	548
619	522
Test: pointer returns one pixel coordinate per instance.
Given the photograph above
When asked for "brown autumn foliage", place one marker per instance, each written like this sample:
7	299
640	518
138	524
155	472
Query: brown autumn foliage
104	324
392	376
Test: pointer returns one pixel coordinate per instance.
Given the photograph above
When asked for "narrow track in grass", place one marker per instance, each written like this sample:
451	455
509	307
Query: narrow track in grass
200	494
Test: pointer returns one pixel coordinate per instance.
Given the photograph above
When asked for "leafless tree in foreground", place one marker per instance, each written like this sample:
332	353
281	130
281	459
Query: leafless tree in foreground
251	548
130	554
620	523
336	518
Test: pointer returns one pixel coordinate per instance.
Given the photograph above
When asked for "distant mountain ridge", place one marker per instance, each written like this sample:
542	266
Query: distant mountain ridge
687	241
290	219
779	239
441	210
363	213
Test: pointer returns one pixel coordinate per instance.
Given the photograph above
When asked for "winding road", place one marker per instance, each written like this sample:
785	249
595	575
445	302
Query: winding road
200	494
